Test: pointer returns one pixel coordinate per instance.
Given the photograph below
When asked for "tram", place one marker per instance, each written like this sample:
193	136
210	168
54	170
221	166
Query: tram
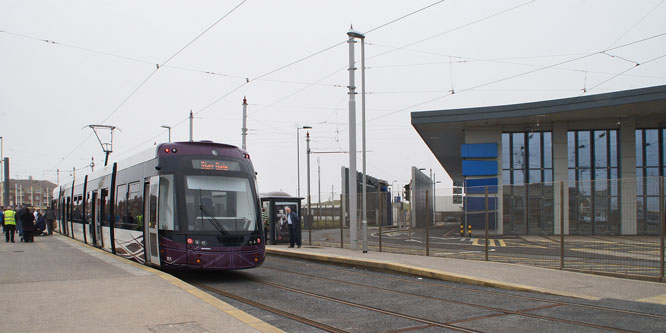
182	205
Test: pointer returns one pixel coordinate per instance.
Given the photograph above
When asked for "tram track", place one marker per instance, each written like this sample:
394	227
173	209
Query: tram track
269	308
491	292
500	311
429	323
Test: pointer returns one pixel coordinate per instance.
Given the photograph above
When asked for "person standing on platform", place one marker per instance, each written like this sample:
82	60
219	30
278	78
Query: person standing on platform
10	224
50	219
19	225
294	223
28	224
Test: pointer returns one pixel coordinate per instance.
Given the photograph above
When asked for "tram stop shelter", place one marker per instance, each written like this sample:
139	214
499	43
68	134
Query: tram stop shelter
273	206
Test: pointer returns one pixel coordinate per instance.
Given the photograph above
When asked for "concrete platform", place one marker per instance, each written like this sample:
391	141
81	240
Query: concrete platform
59	285
499	275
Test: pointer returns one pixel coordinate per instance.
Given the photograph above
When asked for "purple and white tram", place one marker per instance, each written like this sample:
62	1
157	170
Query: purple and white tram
182	205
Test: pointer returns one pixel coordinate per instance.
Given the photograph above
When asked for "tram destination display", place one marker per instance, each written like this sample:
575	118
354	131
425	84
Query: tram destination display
215	165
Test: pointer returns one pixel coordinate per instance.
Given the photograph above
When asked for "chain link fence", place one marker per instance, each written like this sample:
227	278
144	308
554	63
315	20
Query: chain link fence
612	227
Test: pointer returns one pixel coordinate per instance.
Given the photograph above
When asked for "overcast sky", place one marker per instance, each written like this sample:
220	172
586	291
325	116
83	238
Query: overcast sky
99	52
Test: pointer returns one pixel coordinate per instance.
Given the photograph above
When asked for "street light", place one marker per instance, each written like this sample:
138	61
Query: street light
298	157
169	128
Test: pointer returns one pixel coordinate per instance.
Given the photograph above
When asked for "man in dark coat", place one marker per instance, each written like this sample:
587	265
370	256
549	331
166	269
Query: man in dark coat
294	223
28	224
50	219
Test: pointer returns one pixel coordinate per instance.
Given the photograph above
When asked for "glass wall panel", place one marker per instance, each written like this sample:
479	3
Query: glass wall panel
527	159
650	165
547	150
518	151
506	152
600	149
584	149
534	140
535	176
613	149
593	163
651	148
571	150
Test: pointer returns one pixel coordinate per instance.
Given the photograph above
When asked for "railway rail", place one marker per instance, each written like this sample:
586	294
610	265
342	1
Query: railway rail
335	276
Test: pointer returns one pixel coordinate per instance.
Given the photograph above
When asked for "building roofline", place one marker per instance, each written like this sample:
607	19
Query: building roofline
541	107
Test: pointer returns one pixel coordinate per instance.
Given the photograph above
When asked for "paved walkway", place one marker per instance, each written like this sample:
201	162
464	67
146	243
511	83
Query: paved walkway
59	285
500	275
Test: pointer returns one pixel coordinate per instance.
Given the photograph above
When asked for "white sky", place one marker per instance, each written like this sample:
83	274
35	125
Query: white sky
106	49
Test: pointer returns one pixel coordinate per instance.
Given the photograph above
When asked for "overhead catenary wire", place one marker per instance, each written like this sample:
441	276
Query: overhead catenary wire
626	70
635	24
157	68
262	76
523	74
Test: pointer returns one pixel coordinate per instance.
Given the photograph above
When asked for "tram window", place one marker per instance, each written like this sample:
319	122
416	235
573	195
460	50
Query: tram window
77	216
121	205
103	204
134	220
219	202
153	205
167	204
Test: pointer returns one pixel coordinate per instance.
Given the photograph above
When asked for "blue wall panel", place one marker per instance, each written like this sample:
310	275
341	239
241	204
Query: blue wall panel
479	168
478	186
478	221
483	150
477	204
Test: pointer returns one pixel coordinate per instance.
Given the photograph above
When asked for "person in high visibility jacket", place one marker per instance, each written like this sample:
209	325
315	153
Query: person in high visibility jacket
10	224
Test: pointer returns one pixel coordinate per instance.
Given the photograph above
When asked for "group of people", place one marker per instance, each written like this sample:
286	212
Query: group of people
26	221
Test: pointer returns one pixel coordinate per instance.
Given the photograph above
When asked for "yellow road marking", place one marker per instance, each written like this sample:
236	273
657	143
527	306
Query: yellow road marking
661	299
491	242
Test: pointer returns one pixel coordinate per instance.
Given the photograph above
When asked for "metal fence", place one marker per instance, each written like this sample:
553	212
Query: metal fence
611	227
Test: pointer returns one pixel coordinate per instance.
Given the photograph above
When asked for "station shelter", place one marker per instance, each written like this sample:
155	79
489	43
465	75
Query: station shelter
273	206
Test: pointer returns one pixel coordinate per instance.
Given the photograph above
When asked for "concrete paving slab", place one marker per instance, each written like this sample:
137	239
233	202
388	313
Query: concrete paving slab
59	285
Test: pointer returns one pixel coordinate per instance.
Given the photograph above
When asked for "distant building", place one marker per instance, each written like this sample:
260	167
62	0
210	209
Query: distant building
584	165
31	192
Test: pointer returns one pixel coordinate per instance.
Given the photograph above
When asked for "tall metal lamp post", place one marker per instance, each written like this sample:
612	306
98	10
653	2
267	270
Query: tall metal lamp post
298	156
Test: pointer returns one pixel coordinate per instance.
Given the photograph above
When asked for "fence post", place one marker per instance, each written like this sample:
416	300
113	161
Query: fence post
342	221
427	224
661	230
562	225
486	233
378	215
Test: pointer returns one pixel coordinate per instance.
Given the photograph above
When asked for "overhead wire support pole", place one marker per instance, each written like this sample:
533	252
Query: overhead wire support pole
307	140
365	190
353	197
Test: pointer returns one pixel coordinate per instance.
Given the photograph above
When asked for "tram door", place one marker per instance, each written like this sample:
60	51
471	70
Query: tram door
150	212
93	216
100	207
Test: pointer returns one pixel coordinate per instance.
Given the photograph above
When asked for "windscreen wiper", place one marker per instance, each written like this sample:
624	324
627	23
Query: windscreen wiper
211	219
